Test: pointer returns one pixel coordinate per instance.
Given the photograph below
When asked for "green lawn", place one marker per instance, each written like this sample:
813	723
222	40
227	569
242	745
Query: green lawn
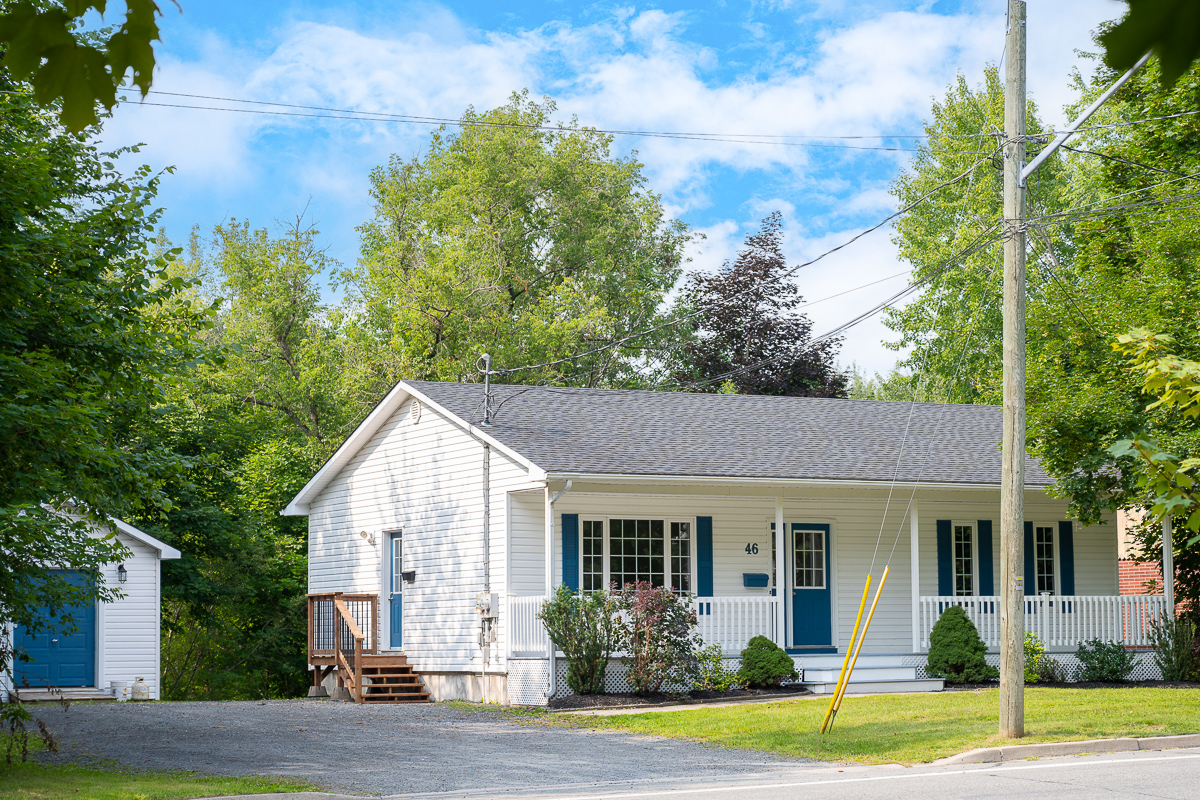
33	781
921	727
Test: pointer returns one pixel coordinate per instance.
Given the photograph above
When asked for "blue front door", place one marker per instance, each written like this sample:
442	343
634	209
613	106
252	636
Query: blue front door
811	600
57	658
396	590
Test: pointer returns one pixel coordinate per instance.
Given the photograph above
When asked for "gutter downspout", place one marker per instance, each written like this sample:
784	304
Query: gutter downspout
550	501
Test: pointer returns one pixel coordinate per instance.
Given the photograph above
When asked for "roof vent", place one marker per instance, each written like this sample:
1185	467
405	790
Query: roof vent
416	411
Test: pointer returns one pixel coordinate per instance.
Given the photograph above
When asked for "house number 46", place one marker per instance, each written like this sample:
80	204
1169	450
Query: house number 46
752	549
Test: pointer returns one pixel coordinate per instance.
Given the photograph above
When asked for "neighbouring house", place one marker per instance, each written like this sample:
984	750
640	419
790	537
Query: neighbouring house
117	641
1140	577
440	525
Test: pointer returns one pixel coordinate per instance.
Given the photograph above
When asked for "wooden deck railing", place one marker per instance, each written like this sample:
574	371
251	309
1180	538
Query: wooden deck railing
341	629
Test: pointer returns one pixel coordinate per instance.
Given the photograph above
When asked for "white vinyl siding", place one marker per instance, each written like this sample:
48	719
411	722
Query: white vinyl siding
425	478
129	628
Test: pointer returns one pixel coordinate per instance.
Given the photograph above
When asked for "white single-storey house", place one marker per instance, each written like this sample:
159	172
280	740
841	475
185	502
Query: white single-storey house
435	535
117	641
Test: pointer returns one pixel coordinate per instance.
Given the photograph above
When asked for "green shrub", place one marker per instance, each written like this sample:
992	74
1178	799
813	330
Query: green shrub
713	675
587	630
1051	670
956	653
765	664
1174	643
660	632
1107	662
1035	651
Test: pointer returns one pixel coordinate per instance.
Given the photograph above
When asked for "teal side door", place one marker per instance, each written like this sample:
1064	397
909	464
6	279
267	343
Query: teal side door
812	604
57	658
396	590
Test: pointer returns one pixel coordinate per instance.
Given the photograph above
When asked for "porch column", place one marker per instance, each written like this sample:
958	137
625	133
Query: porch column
780	575
550	584
1168	565
915	572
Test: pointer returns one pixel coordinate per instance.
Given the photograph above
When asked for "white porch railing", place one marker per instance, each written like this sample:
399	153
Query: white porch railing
730	622
733	621
1059	621
526	633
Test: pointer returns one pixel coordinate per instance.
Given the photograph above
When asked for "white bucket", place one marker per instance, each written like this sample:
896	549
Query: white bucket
120	690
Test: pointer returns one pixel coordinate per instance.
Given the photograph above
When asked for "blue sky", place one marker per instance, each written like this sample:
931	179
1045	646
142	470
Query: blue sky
779	68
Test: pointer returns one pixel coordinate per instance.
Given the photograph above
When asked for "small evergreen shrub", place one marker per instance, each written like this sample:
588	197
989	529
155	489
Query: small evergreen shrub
765	664
587	629
1175	644
1035	651
713	675
1106	662
1051	670
956	653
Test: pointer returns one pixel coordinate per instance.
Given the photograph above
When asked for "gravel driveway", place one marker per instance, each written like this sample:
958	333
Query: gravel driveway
387	749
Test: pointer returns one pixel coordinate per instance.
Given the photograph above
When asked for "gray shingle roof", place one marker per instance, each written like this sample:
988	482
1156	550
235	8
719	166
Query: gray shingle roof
610	431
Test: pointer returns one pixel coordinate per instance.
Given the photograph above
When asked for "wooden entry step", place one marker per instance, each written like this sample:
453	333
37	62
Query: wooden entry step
388	678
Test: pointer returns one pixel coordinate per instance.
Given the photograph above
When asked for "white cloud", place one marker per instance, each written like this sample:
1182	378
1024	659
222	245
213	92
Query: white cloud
631	70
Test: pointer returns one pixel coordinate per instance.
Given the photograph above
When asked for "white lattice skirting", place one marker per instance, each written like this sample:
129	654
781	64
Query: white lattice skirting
528	681
1144	669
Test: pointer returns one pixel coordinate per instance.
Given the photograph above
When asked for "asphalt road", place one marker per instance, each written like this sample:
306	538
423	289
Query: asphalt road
1146	774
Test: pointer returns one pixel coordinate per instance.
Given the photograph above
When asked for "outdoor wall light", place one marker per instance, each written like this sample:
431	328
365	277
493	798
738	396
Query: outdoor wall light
122	573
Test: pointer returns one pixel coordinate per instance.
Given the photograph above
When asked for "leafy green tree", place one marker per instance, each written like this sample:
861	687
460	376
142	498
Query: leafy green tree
746	330
254	425
43	44
1136	247
518	238
283	347
952	331
1169	28
92	327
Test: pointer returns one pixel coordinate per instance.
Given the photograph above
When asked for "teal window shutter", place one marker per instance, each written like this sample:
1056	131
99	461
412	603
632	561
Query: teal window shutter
987	582
945	555
704	557
570	551
1066	557
1030	571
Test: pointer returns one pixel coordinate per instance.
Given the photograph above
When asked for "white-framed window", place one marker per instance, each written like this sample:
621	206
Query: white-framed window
1044	559
809	561
963	548
621	550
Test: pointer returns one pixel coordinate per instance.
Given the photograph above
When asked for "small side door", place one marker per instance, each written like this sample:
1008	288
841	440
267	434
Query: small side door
395	590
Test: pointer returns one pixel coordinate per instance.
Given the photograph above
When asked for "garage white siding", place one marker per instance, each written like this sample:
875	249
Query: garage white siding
129	628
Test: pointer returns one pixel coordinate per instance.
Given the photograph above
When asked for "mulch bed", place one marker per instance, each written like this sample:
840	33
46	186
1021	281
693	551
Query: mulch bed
573	702
969	687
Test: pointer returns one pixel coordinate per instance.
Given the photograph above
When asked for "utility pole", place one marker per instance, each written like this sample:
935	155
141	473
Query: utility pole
1012	481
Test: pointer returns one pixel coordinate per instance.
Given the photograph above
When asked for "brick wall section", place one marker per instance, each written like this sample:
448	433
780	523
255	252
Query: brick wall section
1132	577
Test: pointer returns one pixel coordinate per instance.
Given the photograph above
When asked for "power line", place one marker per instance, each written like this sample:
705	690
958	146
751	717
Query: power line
358	117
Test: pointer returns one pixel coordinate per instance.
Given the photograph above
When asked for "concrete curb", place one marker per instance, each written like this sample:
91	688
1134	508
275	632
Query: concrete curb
995	755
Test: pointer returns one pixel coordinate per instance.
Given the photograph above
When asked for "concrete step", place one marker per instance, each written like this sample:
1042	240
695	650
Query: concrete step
58	695
835	660
861	674
880	687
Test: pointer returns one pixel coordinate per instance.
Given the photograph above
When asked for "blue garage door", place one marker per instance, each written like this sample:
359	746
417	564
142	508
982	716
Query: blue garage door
57	658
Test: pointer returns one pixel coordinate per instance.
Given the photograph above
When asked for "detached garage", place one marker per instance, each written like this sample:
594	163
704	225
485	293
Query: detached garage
117	641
